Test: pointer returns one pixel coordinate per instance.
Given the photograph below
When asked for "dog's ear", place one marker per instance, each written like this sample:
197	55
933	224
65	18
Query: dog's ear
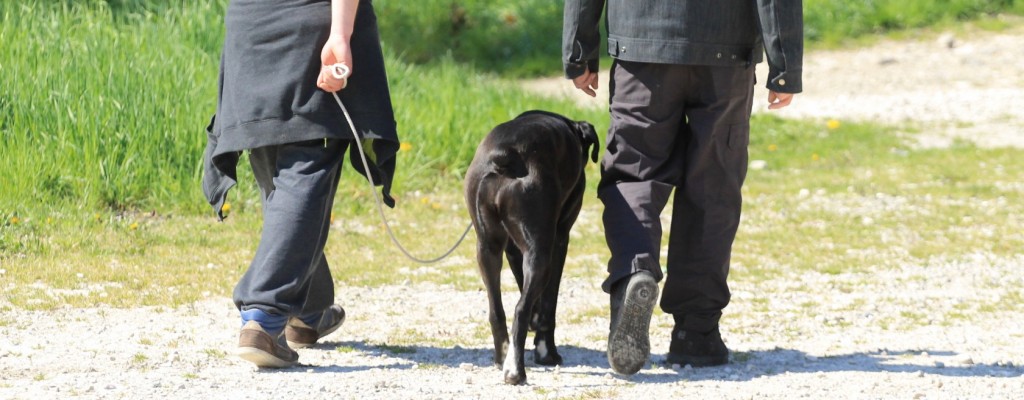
588	137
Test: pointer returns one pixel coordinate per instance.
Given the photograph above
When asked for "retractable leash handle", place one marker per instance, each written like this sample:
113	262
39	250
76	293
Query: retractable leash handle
342	71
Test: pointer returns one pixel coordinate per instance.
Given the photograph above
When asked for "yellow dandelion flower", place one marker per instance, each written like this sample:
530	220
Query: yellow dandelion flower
405	146
772	147
49	220
510	19
133	226
226	208
815	157
96	217
436	206
425	200
15	220
832	124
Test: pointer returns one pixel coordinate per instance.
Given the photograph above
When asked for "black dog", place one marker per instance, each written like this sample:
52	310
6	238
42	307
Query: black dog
524	190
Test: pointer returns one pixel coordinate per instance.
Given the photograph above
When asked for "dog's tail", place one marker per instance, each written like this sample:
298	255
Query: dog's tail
584	131
588	138
507	162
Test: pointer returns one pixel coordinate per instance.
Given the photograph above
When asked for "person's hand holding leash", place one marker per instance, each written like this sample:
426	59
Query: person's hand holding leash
336	51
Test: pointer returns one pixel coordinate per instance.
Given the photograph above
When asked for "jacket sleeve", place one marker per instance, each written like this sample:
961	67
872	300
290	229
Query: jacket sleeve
581	36
782	28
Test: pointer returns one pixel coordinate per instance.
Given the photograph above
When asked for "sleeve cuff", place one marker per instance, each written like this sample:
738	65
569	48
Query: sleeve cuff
784	82
573	70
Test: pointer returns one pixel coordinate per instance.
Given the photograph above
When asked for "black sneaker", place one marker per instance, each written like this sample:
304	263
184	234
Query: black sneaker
303	332
697	349
632	304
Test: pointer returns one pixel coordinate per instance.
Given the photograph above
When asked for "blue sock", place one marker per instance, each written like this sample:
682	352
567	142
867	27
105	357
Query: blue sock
271	323
312	319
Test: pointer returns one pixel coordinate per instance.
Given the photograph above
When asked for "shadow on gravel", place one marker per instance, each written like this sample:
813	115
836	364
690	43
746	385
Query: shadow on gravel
451	357
745	366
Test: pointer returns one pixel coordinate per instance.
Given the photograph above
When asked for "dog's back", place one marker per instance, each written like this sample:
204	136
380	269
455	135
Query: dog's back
537	151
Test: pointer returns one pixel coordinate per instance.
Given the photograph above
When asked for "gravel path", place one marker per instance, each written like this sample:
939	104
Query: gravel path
785	352
906	333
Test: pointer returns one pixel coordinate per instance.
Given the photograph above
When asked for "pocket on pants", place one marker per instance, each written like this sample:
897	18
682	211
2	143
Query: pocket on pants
739	136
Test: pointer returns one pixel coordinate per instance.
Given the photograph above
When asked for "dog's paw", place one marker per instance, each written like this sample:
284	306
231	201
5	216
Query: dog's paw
515	377
515	373
544	350
500	352
547	358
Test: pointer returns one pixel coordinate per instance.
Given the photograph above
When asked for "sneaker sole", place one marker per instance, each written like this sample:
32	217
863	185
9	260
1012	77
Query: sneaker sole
629	346
261	358
297	345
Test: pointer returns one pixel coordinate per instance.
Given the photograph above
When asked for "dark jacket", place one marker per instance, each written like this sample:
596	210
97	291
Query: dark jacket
692	32
268	95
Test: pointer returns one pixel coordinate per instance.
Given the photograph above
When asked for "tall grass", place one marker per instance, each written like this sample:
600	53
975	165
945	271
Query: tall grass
524	37
514	38
104	106
103	102
835	21
99	110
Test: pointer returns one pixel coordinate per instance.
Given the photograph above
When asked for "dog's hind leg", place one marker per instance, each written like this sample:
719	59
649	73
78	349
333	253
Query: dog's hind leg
515	263
544	350
489	261
534	234
533	285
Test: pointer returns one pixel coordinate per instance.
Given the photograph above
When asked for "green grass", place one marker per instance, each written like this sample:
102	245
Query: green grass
99	112
803	216
890	197
395	349
837	21
521	38
111	105
345	349
529	31
104	102
101	205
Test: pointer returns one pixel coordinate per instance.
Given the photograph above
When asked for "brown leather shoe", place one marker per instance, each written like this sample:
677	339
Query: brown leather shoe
259	347
301	335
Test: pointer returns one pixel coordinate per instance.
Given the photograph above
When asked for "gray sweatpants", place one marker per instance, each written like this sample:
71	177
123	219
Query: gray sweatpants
686	128
289	274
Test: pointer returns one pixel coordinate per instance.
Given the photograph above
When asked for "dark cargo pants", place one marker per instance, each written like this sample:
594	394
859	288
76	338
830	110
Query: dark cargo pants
686	128
289	274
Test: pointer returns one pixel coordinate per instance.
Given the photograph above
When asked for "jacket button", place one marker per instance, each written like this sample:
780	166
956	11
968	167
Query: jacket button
782	82
719	55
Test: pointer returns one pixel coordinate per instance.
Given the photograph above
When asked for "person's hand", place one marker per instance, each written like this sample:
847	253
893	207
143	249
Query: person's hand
587	83
336	50
777	100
